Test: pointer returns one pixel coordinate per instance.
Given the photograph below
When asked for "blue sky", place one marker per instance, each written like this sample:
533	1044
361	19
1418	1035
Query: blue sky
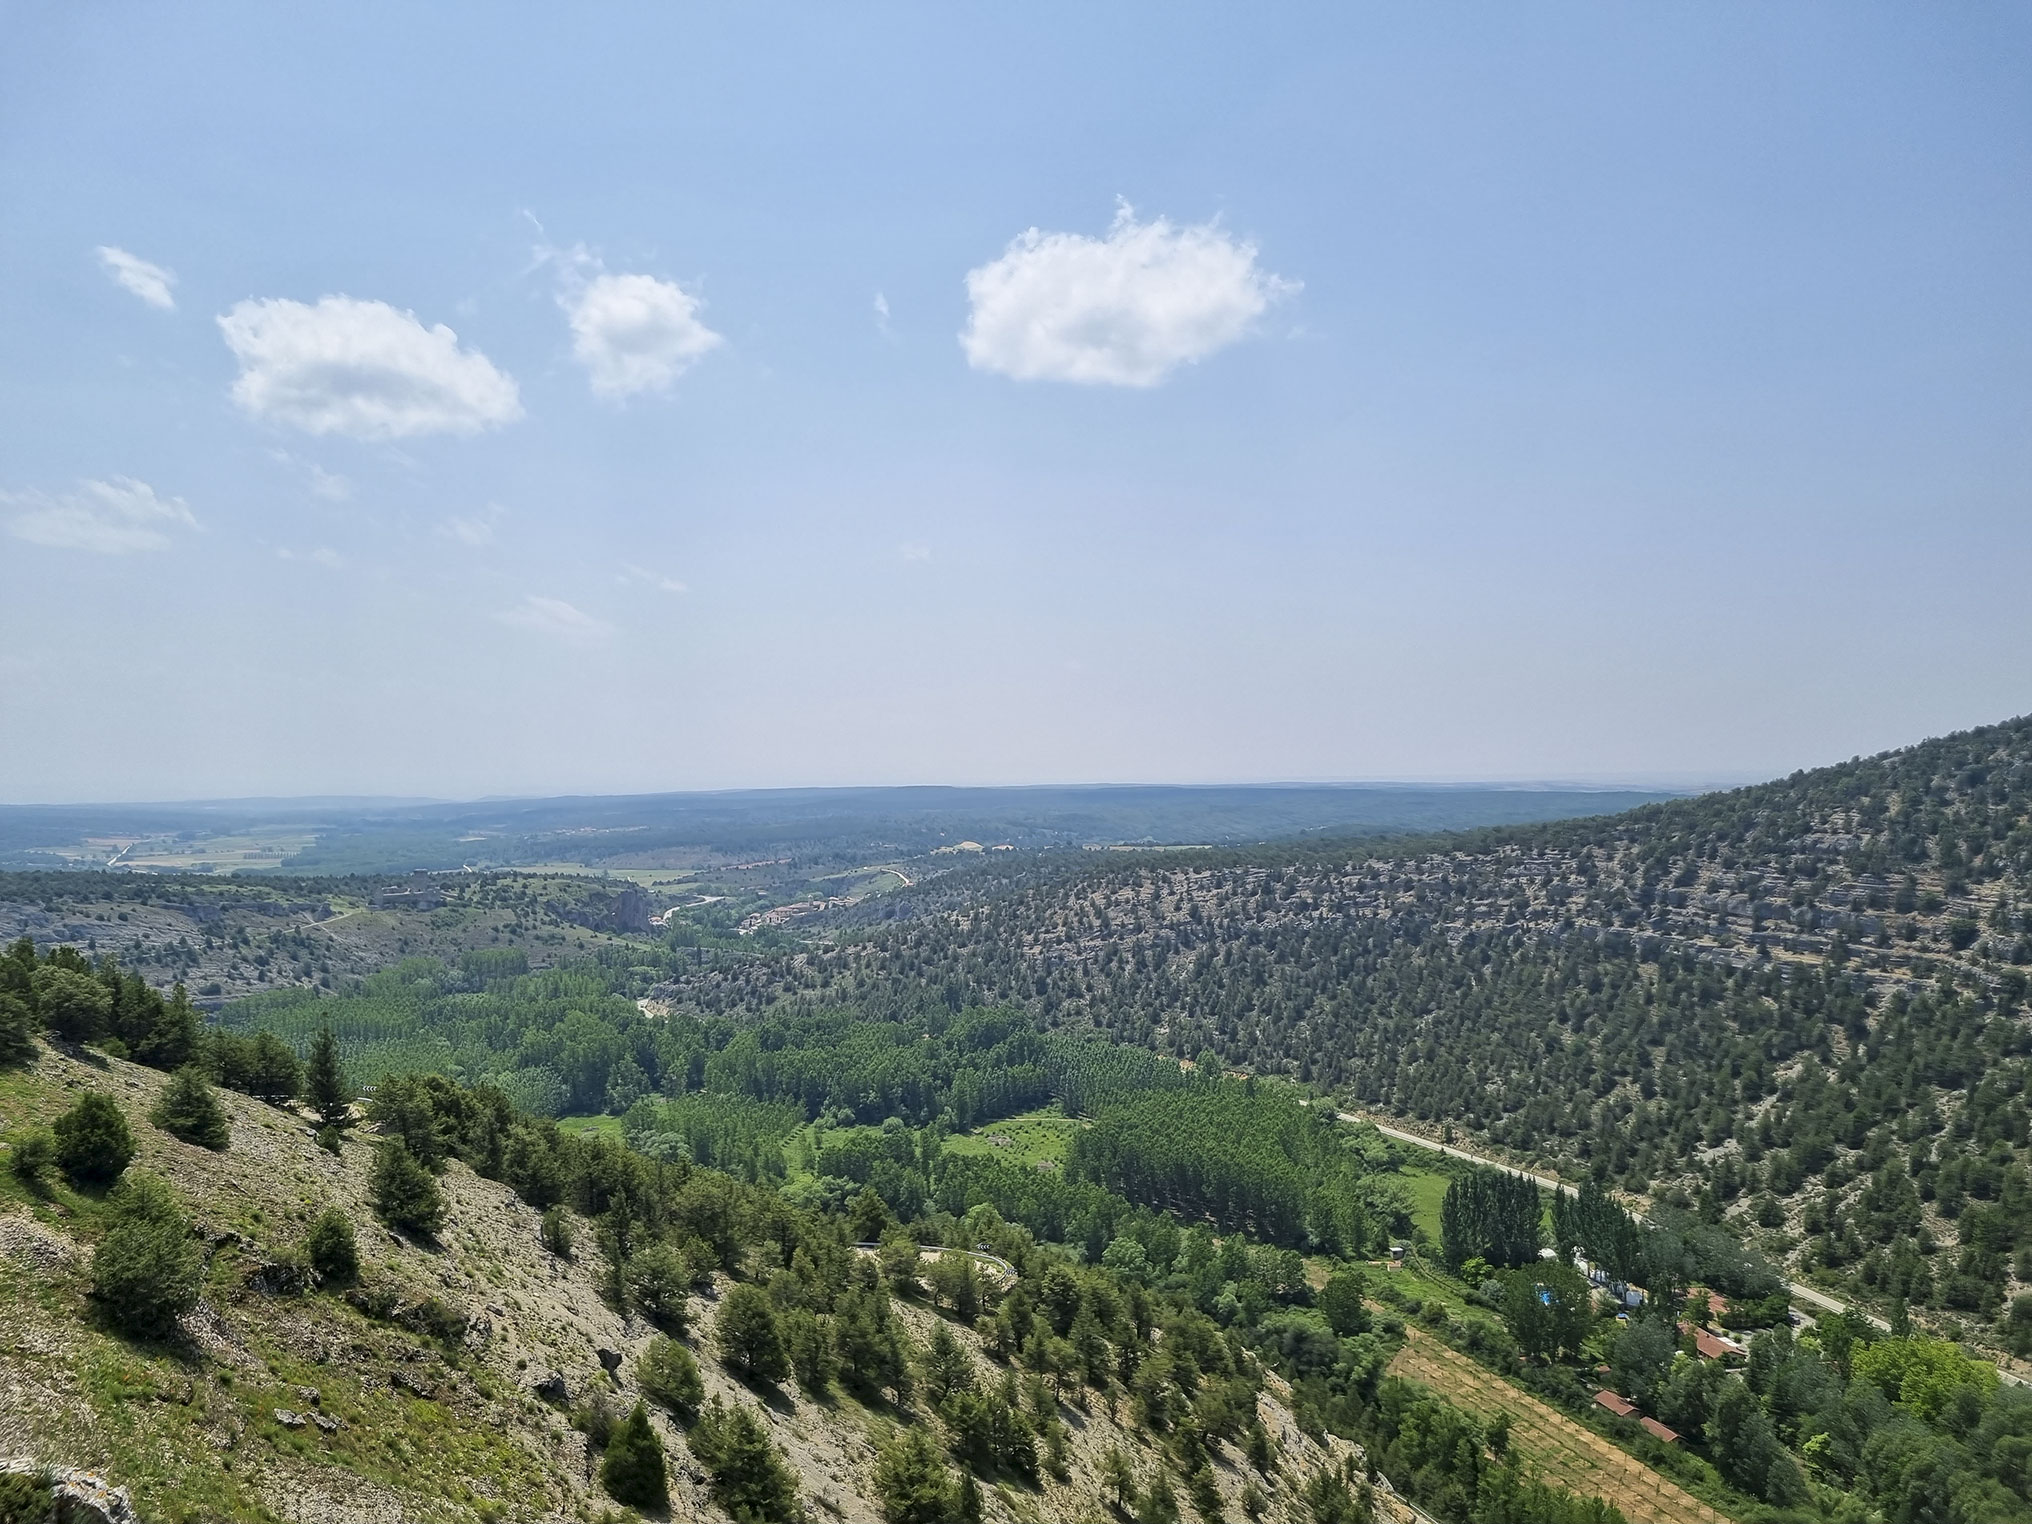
481	399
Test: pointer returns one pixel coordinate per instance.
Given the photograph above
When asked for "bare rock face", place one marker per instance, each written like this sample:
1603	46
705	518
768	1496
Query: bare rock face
82	1497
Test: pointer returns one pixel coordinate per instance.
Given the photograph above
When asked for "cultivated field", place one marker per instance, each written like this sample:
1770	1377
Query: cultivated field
1555	1447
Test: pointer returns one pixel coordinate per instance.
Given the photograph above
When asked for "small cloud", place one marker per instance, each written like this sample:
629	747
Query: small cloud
642	576
363	369
632	333
1124	310
323	556
476	529
882	312
329	485
558	620
914	550
110	518
149	282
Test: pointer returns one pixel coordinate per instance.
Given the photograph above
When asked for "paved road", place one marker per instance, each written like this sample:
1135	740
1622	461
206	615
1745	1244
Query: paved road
1799	1292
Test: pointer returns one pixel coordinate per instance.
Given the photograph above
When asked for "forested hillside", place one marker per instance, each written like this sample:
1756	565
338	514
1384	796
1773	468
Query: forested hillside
1800	1004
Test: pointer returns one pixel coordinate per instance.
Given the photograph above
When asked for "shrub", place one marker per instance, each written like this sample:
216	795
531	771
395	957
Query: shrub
405	1195
33	1154
93	1143
331	1249
669	1377
633	1472
188	1110
27	1498
331	1140
146	1271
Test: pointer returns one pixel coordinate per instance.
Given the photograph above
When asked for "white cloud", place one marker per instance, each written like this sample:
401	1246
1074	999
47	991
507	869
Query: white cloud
149	282
476	529
363	369
914	550
1124	310
557	619
111	518
881	312
635	333
645	577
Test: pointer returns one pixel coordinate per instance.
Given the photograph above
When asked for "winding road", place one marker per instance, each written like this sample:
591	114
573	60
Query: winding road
1799	1292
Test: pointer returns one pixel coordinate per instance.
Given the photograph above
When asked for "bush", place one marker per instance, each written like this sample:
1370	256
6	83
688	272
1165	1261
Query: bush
34	1153
633	1472
27	1498
669	1377
93	1143
146	1271
405	1194
188	1110
331	1249
748	1477
331	1140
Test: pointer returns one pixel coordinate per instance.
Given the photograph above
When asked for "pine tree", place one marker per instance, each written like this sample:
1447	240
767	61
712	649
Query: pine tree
669	1377
748	1338
749	1478
331	1248
633	1471
913	1482
405	1195
17	1031
325	1081
188	1110
93	1143
146	1270
173	1035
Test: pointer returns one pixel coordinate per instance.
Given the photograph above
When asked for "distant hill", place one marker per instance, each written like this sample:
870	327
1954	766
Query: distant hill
834	827
1799	1006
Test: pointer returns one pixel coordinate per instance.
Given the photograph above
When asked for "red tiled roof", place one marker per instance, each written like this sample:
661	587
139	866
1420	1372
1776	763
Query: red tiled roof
1653	1426
1614	1404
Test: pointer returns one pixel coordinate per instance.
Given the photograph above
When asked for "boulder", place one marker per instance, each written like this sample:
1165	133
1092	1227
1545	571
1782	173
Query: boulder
610	1360
289	1420
552	1388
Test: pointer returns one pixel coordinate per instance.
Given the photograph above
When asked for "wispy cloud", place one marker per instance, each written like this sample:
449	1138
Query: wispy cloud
149	282
1124	310
642	576
108	518
882	313
362	368
558	620
914	550
475	529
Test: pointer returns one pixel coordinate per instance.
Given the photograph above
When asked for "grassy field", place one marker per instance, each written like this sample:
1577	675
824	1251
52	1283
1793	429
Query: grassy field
604	1127
1035	1138
1428	1189
1553	1446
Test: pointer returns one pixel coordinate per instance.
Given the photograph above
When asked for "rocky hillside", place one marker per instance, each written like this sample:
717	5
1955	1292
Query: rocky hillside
455	1381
